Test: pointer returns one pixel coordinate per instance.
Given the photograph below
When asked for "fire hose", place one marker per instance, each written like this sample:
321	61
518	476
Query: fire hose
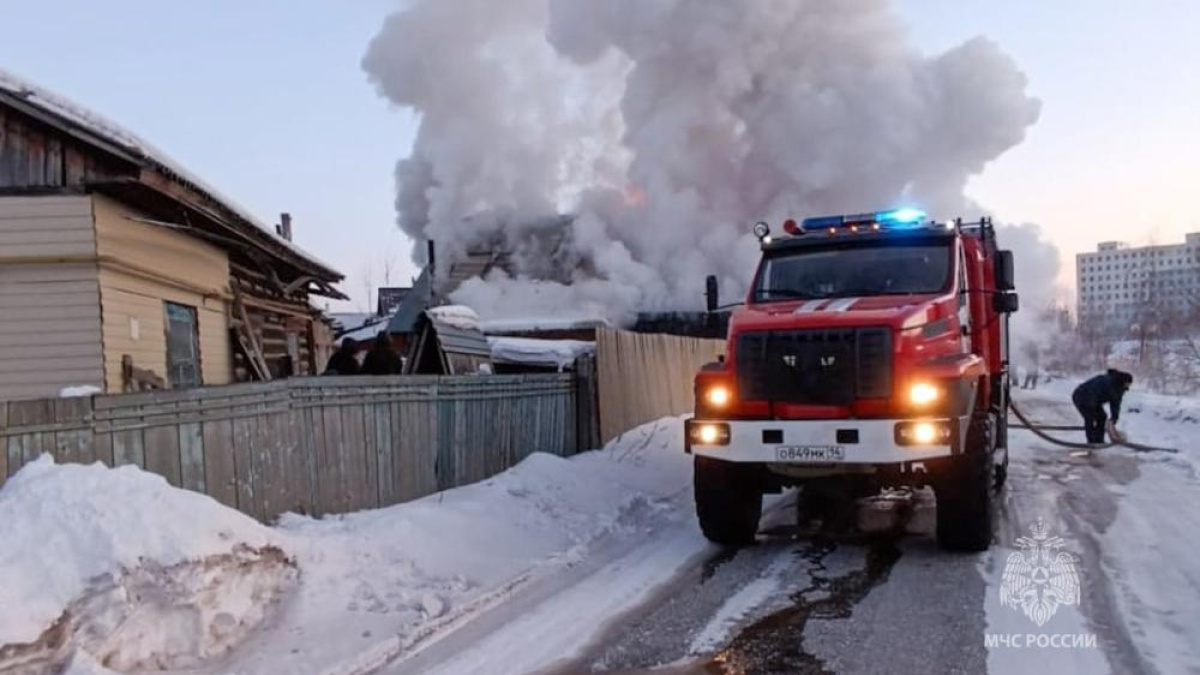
1041	429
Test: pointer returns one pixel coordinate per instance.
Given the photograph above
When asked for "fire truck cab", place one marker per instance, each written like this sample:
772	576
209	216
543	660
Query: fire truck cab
871	351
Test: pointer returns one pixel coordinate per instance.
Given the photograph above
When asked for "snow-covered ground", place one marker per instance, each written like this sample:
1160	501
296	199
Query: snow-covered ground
373	585
547	564
1137	529
135	573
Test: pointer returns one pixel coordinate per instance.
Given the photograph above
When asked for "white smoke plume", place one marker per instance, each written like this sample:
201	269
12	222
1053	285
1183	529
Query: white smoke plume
669	127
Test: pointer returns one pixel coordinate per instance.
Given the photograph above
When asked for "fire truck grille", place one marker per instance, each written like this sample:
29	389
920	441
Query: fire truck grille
816	366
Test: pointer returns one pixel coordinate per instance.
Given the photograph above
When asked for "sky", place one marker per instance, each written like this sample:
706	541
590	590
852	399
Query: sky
267	101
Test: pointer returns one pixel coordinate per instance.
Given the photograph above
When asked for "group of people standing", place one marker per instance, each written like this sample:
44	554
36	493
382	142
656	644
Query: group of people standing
381	359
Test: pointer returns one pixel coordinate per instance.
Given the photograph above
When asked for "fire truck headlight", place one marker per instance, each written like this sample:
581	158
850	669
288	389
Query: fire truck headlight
923	394
709	433
718	396
924	433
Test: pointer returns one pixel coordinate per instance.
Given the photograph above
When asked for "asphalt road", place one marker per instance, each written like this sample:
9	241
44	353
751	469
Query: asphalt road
891	604
812	597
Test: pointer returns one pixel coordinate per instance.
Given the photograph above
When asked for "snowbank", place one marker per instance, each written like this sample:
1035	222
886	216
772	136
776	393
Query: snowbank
119	564
376	583
558	353
458	316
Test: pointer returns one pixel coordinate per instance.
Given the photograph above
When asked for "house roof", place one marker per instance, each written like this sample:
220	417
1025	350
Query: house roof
413	305
109	137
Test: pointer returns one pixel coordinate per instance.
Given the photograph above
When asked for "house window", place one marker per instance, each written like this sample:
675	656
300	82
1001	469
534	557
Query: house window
183	346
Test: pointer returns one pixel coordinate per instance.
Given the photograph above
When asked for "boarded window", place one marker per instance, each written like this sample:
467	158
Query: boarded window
183	346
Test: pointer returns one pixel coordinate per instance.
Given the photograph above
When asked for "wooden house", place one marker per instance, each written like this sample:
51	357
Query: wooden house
121	270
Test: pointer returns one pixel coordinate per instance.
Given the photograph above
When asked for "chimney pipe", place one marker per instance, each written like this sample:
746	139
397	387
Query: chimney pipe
285	225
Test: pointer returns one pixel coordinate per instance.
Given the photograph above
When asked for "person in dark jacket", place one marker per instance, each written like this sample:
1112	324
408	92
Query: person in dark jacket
345	360
1090	397
382	359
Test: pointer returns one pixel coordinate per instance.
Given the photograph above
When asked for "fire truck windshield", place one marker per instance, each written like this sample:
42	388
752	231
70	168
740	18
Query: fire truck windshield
856	271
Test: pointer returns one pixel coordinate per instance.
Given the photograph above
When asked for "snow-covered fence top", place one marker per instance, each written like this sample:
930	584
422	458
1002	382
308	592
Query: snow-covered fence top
310	445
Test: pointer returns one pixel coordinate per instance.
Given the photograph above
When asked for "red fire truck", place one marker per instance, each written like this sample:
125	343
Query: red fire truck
871	351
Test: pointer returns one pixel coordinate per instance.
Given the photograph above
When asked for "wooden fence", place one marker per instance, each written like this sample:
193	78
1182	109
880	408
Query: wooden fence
311	445
643	377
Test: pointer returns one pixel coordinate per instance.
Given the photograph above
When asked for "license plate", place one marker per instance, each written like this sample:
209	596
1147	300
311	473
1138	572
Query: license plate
810	453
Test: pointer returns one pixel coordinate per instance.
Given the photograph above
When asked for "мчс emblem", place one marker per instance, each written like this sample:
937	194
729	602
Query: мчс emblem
1040	577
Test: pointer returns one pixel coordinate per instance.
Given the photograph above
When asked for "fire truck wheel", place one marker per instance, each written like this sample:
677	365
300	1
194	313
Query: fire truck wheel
964	503
728	501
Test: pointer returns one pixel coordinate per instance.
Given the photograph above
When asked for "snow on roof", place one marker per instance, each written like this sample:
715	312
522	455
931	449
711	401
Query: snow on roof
366	333
520	325
458	316
114	133
529	351
351	320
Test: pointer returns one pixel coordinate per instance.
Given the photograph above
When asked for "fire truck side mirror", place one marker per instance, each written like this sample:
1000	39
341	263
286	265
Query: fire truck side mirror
1006	303
711	293
1006	278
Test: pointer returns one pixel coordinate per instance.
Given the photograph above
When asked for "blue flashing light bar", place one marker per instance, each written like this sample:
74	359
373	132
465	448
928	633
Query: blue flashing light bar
895	218
901	216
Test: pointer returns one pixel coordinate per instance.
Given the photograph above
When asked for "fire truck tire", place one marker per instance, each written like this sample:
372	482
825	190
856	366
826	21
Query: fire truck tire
728	501
964	503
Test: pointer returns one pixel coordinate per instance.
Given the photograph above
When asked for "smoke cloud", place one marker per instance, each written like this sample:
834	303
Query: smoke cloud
668	127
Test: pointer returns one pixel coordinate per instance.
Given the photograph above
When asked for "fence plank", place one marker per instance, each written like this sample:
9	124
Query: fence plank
104	448
220	472
370	457
333	464
383	455
75	443
191	457
244	430
162	453
128	448
315	434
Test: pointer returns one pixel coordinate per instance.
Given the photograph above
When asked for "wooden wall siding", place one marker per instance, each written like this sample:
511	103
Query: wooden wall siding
49	312
144	265
171	255
643	377
126	298
308	445
33	155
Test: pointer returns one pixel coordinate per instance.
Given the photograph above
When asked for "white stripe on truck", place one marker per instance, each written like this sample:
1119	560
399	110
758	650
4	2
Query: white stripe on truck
842	304
810	306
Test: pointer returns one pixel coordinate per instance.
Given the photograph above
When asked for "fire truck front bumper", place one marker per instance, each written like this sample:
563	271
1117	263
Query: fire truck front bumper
827	442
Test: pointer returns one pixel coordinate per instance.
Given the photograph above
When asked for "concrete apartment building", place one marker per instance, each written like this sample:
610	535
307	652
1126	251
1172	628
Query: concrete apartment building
1123	288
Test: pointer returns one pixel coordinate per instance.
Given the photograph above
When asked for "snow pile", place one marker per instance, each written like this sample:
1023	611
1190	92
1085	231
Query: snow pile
458	316
80	391
378	583
117	563
558	353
